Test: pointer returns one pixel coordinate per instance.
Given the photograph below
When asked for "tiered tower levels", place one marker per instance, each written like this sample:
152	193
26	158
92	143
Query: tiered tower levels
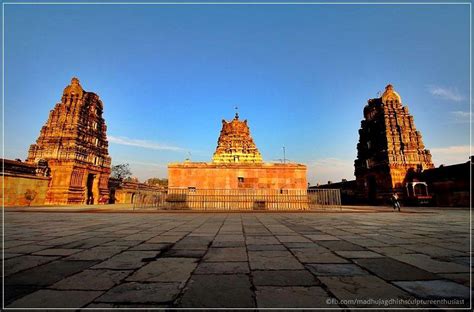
74	143
235	145
389	144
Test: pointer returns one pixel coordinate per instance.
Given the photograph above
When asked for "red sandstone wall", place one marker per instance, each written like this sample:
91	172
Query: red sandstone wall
225	176
17	185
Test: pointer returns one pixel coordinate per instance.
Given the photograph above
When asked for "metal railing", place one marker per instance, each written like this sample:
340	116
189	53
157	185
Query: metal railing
239	199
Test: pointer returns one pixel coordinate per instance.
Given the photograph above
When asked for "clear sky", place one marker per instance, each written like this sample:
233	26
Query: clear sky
300	74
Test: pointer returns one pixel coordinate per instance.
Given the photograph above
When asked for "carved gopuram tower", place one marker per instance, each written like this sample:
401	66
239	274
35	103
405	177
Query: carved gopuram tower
390	149
74	143
235	145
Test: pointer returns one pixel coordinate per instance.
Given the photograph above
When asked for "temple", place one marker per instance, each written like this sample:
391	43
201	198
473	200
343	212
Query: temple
235	145
237	164
390	149
74	144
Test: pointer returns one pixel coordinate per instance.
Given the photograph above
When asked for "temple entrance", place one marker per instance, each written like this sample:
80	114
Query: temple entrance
372	188
112	196
90	193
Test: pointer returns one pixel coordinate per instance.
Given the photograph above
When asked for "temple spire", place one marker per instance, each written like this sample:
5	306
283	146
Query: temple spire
236	112
235	144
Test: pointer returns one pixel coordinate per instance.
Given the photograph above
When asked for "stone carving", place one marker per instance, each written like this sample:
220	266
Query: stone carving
235	145
42	168
74	144
390	148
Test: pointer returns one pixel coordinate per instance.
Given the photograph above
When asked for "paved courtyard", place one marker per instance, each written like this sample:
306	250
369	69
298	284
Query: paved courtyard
159	260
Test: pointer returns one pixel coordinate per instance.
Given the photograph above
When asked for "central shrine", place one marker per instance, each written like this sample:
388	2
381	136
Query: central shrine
235	145
237	164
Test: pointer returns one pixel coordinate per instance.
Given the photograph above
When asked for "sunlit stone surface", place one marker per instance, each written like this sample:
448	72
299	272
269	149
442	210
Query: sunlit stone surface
389	149
74	143
310	260
237	164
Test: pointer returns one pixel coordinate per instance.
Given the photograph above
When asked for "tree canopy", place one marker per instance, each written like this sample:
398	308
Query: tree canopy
121	172
157	182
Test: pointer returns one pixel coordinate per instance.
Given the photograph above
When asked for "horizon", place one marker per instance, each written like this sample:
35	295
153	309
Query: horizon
170	74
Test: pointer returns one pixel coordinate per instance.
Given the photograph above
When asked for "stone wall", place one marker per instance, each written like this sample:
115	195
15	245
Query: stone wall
449	185
237	176
23	184
131	192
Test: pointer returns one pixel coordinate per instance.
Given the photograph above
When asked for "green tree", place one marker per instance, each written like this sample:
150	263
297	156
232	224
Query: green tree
121	172
157	182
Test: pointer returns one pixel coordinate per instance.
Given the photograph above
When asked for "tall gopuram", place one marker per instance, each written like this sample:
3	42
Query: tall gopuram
390	149
235	145
237	164
74	143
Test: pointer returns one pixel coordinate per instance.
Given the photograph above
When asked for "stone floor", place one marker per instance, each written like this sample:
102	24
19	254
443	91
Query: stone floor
159	260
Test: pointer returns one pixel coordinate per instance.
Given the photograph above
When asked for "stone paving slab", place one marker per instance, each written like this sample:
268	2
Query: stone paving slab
356	254
226	254
219	291
17	264
291	297
228	260
393	270
56	252
165	270
284	278
92	280
273	260
127	260
435	289
430	264
49	273
46	298
362	287
336	269
134	292
307	255
223	268
97	253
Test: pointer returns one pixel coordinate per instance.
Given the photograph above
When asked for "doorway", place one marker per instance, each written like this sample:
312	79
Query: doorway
372	189
90	192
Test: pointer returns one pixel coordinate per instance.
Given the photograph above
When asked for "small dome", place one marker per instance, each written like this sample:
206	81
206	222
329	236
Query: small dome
74	88
390	95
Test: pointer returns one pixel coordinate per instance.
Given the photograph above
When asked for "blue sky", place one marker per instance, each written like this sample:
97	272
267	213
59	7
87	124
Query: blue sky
300	74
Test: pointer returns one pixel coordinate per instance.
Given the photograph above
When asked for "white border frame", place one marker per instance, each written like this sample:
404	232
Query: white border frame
234	3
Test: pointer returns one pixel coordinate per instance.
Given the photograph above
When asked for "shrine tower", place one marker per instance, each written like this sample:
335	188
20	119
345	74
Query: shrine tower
390	149
235	145
74	143
237	164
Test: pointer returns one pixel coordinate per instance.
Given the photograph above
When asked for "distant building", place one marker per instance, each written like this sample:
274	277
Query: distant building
347	188
390	149
74	145
450	185
237	164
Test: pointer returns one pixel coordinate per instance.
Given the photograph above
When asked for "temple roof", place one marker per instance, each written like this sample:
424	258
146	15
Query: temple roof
74	88
235	144
390	95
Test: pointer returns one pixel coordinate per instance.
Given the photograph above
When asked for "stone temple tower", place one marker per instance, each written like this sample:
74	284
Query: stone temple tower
390	149
235	145
74	143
